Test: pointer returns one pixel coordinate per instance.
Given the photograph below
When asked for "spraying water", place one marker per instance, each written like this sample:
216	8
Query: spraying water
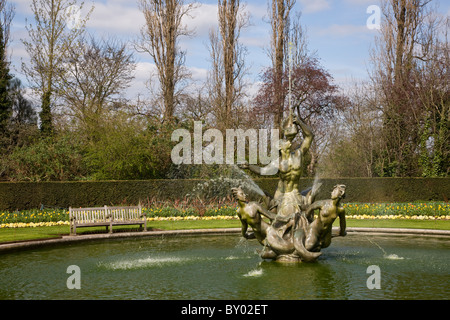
231	176
248	180
130	264
316	184
385	254
254	273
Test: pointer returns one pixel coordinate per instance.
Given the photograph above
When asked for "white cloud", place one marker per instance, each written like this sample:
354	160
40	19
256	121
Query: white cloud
253	88
201	19
198	74
309	6
142	74
124	17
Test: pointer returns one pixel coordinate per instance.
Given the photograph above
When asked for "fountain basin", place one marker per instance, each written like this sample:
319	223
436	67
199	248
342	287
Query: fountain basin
228	267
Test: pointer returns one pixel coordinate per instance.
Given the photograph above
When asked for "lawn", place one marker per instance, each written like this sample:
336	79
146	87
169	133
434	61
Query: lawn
21	234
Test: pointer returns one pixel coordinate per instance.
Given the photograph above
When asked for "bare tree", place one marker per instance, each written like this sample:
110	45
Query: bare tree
225	80
355	146
97	73
196	106
216	76
159	38
50	38
296	46
279	20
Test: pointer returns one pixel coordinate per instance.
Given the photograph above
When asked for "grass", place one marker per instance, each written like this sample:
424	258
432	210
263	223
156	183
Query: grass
53	223
22	234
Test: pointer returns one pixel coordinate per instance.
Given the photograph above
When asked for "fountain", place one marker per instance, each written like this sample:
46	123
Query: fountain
292	234
226	267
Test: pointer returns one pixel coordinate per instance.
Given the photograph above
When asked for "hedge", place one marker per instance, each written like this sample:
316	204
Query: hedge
29	195
380	189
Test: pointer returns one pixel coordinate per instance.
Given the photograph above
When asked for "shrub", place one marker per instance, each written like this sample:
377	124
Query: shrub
58	158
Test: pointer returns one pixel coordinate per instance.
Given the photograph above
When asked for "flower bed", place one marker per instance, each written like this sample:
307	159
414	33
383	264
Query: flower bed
420	211
360	211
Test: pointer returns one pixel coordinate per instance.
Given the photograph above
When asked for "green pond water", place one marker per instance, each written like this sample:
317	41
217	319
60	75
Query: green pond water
228	267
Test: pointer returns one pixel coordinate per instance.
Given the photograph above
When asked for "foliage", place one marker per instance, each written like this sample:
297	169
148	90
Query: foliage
124	149
23	112
47	159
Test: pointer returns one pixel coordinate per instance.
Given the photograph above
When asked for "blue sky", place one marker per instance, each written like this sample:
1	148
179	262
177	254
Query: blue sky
336	30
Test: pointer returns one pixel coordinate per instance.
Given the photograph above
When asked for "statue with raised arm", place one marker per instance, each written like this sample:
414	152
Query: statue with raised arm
289	165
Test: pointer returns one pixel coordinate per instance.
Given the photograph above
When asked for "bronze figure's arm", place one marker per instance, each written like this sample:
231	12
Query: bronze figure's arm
269	170
310	211
307	133
267	213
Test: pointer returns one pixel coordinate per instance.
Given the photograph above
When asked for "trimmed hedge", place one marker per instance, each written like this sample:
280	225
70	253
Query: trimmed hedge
379	189
29	195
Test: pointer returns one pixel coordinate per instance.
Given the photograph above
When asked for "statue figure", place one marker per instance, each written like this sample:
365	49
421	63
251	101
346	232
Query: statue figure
289	164
249	214
319	231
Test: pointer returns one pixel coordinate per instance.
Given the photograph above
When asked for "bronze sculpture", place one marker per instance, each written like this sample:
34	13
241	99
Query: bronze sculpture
250	215
292	234
319	231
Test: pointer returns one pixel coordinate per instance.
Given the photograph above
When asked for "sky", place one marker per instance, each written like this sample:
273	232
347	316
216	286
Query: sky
337	30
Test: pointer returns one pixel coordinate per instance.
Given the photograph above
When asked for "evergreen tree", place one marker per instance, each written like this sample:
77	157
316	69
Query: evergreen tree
5	78
23	112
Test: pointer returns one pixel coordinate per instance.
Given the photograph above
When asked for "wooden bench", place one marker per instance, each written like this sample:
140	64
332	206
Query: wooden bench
106	216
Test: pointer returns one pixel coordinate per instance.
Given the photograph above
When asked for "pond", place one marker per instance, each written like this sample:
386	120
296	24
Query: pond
228	267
